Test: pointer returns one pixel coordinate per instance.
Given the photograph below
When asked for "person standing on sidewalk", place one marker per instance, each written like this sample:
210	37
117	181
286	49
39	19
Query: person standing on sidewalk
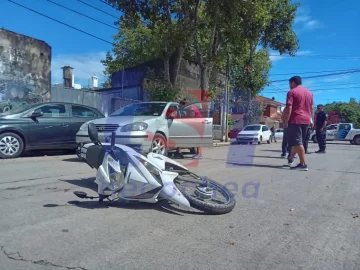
297	115
321	121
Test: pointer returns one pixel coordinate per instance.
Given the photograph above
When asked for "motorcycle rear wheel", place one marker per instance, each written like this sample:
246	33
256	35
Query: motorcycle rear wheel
202	200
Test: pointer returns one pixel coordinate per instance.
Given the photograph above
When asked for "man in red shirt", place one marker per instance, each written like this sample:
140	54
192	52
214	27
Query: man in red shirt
297	116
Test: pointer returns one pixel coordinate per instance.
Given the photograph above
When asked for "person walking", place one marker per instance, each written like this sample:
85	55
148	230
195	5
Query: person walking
272	129
320	124
297	115
308	133
285	147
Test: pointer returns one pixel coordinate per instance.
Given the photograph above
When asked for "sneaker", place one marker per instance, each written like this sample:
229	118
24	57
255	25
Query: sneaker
300	167
320	152
197	156
283	155
290	161
307	152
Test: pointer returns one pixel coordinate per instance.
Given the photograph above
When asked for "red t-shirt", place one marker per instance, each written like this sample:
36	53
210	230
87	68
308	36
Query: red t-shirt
301	100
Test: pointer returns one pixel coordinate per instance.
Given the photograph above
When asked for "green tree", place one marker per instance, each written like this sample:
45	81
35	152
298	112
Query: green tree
349	111
168	28
268	25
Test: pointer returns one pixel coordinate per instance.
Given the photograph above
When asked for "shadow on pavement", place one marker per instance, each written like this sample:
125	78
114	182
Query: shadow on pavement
162	206
83	183
41	153
267	157
274	151
88	183
234	164
74	159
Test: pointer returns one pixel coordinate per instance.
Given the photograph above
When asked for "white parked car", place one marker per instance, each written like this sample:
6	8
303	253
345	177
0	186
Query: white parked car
149	127
279	133
254	134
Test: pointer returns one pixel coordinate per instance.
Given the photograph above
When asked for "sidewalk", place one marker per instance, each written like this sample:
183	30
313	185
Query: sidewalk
217	143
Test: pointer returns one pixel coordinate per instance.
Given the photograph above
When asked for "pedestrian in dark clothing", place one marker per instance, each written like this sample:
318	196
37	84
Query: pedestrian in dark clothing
308	133
272	129
320	124
286	149
298	115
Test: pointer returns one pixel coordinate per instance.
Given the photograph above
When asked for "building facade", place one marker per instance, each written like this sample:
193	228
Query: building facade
25	70
272	113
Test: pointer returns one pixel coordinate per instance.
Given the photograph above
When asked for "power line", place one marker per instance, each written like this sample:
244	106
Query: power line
77	29
316	72
328	57
82	14
324	89
98	9
326	75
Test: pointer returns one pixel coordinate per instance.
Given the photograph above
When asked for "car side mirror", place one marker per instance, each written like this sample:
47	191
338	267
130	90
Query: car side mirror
35	114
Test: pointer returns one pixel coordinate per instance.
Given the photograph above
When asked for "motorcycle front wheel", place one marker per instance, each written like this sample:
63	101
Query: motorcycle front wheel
205	194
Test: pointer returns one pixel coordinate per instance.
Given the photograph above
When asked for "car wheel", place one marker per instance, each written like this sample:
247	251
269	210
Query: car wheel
159	144
260	141
357	140
314	139
11	145
352	142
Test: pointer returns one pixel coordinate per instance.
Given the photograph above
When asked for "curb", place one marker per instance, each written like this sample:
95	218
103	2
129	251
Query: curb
218	144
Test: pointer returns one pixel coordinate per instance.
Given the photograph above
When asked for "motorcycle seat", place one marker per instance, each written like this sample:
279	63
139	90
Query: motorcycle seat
95	155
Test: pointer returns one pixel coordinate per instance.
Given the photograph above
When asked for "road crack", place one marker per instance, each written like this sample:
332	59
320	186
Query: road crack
16	256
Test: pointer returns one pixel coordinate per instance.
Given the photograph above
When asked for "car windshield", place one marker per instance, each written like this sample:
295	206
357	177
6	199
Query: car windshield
141	109
17	110
252	128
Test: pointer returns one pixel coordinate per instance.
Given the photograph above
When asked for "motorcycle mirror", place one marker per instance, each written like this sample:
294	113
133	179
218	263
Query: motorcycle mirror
93	134
80	194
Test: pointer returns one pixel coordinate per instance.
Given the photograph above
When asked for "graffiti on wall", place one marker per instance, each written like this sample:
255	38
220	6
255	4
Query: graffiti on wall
17	88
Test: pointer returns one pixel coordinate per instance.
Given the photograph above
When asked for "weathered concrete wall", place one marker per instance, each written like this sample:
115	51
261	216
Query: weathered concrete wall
25	70
107	101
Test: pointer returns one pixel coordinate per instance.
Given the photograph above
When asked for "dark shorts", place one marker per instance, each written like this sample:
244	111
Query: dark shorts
296	134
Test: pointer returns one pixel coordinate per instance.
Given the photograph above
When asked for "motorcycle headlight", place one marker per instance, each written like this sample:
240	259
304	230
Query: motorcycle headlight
155	172
138	126
116	179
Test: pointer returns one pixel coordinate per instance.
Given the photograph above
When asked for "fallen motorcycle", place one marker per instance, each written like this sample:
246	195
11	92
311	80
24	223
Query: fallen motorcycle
123	173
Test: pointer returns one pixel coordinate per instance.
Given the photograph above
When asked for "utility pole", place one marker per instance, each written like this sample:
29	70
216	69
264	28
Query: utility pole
227	98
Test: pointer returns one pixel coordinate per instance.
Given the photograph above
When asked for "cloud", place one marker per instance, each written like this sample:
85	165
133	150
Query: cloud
275	56
308	83
337	78
304	19
312	24
85	66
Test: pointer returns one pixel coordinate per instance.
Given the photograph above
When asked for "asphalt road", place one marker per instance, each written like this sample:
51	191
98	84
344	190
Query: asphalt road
283	219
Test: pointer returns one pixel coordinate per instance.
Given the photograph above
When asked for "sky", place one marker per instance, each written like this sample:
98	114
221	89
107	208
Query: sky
327	31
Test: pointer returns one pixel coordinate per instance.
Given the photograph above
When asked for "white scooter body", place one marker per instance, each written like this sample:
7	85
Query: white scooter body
145	178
